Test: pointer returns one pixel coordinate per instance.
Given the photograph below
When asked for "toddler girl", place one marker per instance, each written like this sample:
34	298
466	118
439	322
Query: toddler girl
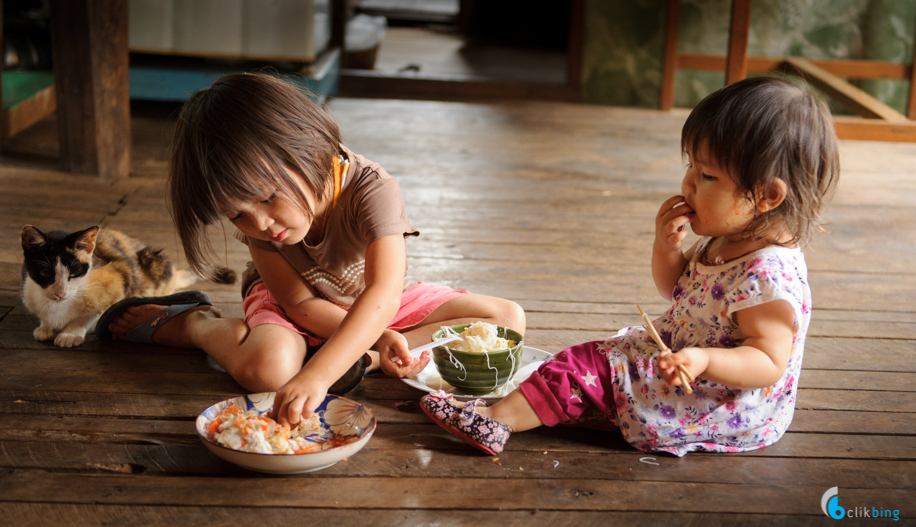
762	160
326	231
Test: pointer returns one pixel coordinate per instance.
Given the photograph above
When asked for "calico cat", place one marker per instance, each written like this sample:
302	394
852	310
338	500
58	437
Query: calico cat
70	279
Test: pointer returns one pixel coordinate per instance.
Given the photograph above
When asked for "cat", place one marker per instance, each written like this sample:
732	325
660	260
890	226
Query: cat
70	279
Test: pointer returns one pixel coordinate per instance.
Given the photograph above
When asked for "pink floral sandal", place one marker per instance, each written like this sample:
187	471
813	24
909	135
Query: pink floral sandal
478	431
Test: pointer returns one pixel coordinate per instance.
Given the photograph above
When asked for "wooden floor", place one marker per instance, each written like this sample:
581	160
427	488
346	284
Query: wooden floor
550	204
440	52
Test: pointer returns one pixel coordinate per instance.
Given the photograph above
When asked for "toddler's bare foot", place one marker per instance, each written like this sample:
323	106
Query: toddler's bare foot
175	331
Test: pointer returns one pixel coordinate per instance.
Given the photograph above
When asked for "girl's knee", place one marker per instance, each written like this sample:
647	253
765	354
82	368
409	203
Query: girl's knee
510	315
267	369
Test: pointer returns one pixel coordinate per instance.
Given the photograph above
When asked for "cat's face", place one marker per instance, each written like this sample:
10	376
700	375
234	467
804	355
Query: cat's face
58	261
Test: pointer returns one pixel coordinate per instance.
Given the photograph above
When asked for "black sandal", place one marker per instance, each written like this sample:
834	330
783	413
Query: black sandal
348	380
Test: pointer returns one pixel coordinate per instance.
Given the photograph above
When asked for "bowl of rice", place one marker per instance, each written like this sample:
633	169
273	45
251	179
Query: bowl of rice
242	431
482	360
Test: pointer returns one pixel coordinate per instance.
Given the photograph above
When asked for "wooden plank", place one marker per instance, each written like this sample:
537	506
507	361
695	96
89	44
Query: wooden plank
217	384
186	407
818	328
94	404
846	422
430	493
298	60
426	435
88	458
670	58
822	353
853	98
818	410
845	68
739	26
89	43
833	399
367	83
162	360
80	515
874	130
857	380
29	112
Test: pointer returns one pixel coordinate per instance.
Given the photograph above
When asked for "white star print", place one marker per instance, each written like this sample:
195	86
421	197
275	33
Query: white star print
589	378
576	393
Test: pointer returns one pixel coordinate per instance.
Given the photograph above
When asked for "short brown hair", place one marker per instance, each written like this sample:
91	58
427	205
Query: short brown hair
234	141
765	128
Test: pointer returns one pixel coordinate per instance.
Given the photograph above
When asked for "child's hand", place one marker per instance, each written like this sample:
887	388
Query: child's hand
696	360
299	397
394	355
671	223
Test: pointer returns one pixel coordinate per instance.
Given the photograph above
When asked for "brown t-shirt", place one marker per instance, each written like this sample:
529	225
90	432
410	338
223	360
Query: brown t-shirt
370	207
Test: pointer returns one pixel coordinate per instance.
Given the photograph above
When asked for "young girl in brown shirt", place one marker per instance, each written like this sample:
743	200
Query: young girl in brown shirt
326	231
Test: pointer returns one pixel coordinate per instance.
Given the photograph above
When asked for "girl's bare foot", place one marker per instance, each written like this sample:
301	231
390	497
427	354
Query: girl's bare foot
176	331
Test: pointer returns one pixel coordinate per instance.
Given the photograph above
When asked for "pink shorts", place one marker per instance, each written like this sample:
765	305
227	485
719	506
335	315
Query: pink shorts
417	302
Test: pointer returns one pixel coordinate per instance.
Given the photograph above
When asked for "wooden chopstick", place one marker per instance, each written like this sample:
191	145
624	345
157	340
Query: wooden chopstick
683	374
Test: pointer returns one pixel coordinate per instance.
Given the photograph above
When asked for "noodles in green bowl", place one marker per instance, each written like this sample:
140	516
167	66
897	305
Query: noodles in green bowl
477	372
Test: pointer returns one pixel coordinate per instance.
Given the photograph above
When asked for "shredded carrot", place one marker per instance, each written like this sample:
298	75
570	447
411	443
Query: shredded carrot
247	422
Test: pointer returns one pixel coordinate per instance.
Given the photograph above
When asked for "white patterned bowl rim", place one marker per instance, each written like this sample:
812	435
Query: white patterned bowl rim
339	416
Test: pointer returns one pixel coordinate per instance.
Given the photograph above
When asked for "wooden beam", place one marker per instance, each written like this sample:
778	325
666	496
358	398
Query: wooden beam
856	100
847	69
736	63
670	60
89	46
874	130
28	112
376	84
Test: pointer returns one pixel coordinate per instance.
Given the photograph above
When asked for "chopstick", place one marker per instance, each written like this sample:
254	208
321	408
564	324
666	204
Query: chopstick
683	374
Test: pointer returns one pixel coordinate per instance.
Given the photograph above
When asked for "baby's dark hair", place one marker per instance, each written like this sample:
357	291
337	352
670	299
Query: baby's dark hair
237	142
762	129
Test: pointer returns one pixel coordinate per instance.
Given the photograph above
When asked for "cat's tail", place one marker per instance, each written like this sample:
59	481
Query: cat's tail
224	275
221	275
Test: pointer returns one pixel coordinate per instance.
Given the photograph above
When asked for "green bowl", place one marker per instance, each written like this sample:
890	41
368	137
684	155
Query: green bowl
477	373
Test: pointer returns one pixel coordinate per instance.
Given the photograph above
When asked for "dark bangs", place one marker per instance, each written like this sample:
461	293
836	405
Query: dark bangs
765	128
235	144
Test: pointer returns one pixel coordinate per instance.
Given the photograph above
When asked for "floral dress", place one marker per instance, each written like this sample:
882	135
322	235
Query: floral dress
654	416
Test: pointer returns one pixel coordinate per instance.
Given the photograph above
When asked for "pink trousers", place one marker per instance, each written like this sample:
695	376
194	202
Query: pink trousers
575	388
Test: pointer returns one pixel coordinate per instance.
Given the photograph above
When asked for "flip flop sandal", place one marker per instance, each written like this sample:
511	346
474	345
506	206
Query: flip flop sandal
143	334
465	423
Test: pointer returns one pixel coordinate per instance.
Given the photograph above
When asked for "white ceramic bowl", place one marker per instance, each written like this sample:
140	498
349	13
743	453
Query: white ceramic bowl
340	417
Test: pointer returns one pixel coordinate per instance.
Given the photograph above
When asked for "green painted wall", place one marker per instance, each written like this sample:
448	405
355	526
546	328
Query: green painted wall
624	40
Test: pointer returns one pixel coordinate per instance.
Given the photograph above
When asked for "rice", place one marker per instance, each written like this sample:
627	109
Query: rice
252	432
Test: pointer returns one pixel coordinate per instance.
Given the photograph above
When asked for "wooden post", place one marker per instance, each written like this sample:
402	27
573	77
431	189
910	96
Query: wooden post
576	45
736	63
911	105
91	72
465	15
338	24
669	62
2	61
